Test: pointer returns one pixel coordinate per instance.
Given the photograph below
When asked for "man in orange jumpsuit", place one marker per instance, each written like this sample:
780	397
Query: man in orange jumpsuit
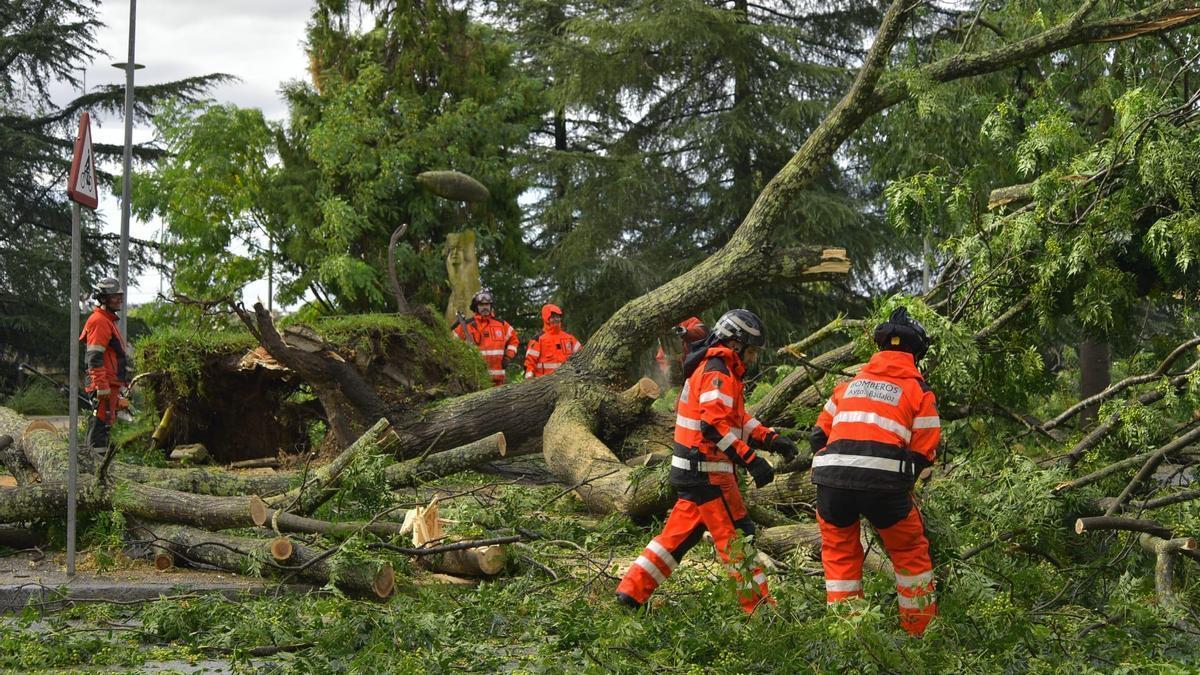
496	340
551	348
106	362
713	433
877	433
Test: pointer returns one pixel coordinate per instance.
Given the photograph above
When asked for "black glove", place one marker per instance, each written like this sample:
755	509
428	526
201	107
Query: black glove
782	446
505	362
761	471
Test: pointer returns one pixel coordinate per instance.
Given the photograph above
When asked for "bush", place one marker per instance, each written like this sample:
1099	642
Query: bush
37	398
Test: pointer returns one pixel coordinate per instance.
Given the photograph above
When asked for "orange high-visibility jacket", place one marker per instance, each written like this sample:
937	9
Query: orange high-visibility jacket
495	340
879	430
551	348
104	352
712	428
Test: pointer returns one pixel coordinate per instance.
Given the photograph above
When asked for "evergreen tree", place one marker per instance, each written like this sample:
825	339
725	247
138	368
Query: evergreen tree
42	42
668	117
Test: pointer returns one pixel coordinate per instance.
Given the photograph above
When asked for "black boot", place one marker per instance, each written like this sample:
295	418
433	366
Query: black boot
627	601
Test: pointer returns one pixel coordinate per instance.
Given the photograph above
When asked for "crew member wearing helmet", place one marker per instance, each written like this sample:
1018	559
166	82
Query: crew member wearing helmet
877	433
105	359
713	434
496	340
551	348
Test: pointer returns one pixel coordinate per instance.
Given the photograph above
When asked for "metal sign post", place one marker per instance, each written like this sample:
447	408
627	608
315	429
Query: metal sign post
81	189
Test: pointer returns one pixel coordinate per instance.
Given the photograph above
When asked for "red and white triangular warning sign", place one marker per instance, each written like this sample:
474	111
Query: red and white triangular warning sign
81	186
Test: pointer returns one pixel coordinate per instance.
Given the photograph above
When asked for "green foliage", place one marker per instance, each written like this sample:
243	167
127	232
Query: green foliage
181	353
37	398
104	537
44	43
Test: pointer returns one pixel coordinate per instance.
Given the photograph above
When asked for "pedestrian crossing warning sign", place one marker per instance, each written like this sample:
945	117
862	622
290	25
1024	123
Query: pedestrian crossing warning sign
81	185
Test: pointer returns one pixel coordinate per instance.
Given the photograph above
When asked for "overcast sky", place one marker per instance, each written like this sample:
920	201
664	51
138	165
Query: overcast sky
258	41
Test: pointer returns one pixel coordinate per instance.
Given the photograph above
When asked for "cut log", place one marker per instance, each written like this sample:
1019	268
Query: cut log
246	553
788	493
163	561
282	549
205	481
260	463
1127	524
446	463
46	450
281	521
779	542
485	561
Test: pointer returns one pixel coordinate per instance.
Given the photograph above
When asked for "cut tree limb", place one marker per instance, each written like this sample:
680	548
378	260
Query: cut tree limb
1150	465
1083	525
446	463
1113	390
246	553
281	521
317	488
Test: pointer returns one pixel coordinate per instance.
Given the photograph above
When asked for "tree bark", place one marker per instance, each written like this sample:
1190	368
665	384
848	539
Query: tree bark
1095	374
246	553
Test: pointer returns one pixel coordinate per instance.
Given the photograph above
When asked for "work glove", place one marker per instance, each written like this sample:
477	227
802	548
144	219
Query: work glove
505	361
781	445
760	469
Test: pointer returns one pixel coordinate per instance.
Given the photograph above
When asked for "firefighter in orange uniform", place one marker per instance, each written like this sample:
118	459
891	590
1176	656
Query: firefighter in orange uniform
551	348
496	340
876	435
713	434
107	365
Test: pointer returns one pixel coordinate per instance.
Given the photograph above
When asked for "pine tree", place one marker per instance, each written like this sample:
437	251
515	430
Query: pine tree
668	118
42	42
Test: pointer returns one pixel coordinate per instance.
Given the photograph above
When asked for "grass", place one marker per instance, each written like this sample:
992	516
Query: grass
37	398
552	611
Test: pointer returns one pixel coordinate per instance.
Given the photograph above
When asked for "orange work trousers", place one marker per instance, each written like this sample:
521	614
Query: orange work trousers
898	521
719	509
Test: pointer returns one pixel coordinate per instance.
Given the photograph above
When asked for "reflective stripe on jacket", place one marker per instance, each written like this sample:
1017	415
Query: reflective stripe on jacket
879	430
495	340
712	428
104	356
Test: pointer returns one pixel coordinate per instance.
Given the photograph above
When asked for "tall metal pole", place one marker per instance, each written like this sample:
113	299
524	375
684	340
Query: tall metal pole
127	159
73	432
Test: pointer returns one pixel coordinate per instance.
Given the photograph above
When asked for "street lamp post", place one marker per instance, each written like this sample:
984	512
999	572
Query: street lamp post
127	159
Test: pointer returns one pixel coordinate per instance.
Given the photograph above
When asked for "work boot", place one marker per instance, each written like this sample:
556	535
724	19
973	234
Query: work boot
627	601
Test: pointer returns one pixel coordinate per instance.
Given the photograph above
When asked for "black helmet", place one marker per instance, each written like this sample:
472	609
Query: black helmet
741	325
106	287
902	333
485	296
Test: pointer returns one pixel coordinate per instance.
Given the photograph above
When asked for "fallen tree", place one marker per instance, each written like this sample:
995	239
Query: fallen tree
567	408
186	526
